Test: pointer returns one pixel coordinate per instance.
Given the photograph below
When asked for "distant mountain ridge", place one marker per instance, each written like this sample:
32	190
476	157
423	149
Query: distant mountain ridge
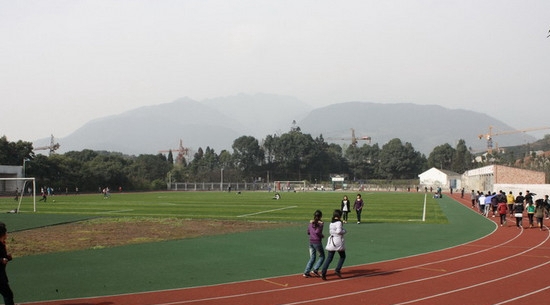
217	122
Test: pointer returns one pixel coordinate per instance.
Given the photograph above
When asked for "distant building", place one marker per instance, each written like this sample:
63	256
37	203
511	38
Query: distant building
10	171
496	177
440	178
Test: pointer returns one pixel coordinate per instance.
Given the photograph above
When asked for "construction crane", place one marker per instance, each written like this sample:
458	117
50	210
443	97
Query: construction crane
489	136
353	138
182	152
52	147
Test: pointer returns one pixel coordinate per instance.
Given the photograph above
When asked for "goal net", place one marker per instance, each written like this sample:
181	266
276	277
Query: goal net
289	186
17	194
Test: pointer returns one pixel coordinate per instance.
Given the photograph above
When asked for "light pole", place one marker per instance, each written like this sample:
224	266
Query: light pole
24	163
221	181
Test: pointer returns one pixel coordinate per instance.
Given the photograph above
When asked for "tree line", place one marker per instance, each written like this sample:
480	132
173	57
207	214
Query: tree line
290	156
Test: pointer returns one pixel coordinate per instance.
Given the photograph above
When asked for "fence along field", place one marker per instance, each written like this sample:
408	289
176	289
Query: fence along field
244	206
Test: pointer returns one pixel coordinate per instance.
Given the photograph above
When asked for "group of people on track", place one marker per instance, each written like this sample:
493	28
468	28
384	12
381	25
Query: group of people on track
507	205
317	264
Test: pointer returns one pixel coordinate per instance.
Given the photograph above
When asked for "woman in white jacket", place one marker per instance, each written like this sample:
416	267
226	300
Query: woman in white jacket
335	243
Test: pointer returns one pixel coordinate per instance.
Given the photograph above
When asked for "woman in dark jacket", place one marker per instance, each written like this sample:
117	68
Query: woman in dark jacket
344	207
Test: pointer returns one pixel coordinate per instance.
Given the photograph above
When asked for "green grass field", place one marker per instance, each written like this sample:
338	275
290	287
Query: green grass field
391	228
247	206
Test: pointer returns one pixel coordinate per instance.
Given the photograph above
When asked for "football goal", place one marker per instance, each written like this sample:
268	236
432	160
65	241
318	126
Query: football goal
18	191
289	186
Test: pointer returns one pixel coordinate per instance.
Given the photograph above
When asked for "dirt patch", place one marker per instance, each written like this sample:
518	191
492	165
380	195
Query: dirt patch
110	232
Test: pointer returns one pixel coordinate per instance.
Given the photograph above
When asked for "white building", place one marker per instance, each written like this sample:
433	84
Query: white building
440	178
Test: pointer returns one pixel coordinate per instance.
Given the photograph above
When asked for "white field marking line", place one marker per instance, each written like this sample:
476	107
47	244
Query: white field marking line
116	211
269	211
424	209
358	292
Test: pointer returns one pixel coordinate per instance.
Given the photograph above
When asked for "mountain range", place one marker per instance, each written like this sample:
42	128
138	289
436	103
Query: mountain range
217	122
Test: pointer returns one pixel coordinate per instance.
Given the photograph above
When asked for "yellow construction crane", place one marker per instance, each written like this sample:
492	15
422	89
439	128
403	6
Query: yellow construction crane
182	152
489	136
353	138
52	147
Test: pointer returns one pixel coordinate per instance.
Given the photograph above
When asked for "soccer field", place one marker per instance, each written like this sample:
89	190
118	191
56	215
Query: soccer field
246	206
391	227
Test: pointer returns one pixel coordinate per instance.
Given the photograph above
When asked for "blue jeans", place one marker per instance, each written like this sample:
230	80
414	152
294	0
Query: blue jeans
313	250
330	256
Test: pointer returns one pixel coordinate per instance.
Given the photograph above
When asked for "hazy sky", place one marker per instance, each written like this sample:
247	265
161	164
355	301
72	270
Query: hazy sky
63	63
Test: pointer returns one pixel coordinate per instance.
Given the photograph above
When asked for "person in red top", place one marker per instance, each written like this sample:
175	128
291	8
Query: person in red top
502	210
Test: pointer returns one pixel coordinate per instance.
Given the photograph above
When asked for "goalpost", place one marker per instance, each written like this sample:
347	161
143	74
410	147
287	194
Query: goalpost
287	186
20	185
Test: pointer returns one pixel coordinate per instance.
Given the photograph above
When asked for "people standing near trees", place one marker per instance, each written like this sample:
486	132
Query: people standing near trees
358	207
5	257
345	208
335	243
315	232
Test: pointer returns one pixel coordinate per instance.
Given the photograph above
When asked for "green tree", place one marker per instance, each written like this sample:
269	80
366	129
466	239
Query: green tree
364	161
293	153
170	157
106	170
248	156
13	153
400	161
462	160
147	168
442	157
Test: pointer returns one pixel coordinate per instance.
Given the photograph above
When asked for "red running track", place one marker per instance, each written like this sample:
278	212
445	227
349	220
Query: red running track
509	266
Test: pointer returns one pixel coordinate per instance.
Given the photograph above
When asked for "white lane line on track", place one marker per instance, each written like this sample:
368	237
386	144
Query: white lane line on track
439	276
371	275
523	296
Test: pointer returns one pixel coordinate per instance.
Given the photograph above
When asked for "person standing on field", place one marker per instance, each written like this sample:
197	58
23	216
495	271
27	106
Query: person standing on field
345	208
358	207
315	232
